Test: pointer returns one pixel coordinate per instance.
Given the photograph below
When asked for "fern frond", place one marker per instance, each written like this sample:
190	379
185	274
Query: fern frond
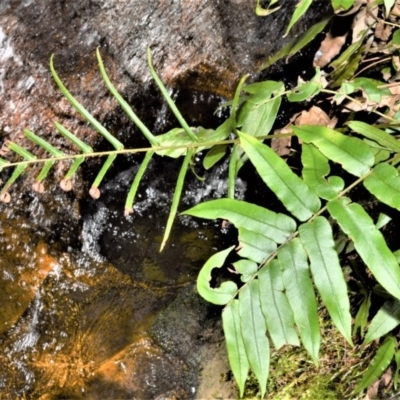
308	250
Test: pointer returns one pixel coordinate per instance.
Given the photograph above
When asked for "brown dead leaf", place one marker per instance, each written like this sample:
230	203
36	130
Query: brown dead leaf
394	88
392	102
315	116
359	104
330	48
362	21
281	146
396	9
383	31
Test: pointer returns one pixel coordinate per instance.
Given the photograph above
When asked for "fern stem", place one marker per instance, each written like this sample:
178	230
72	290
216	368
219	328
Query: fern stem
116	152
232	172
235	101
5	164
177	197
135	184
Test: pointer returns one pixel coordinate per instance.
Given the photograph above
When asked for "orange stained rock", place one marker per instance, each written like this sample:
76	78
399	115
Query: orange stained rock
44	265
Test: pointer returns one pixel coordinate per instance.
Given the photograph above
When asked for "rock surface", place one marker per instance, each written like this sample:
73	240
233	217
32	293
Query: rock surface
60	341
204	45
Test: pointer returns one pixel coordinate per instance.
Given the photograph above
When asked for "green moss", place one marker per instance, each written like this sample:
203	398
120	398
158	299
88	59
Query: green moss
316	387
293	375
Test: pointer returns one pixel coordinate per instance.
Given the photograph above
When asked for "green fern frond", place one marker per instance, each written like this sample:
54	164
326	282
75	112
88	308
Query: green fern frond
185	142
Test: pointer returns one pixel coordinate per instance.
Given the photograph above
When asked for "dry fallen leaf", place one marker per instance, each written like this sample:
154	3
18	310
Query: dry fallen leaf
383	31
396	9
362	21
330	48
281	146
394	88
392	102
315	116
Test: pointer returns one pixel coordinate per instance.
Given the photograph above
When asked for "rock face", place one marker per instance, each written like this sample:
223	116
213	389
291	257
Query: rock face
59	295
203	45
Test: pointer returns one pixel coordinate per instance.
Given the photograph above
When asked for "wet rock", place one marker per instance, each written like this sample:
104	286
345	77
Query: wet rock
199	48
204	45
84	334
22	273
123	376
183	328
216	380
62	343
132	244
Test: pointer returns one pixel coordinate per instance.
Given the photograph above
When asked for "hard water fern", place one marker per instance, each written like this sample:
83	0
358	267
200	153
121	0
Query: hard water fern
179	142
282	257
285	262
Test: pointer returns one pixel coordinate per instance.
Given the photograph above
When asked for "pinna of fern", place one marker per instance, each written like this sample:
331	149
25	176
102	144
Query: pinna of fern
179	142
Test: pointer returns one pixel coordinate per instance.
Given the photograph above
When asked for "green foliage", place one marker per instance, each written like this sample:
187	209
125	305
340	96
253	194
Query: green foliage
354	155
301	8
296	252
361	318
223	294
290	189
369	243
314	172
288	264
238	359
379	364
262	12
303	5
386	319
316	237
276	308
306	90
296	45
282	258
179	142
300	293
253	326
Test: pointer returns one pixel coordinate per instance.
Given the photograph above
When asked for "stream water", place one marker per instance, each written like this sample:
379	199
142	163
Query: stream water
89	307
